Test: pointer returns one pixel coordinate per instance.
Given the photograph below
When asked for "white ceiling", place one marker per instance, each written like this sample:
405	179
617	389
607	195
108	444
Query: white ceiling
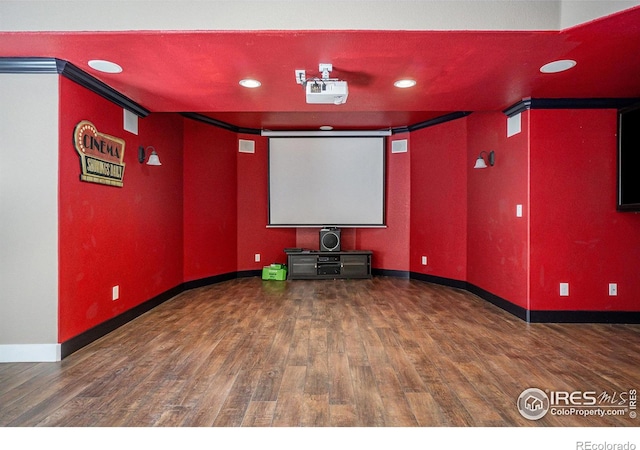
120	15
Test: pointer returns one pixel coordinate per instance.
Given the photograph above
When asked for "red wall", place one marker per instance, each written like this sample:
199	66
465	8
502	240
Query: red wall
129	236
226	205
497	240
210	203
577	236
390	245
204	212
439	200
253	210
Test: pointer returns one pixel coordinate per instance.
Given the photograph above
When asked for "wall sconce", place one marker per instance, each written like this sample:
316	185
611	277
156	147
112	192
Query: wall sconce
480	162
153	157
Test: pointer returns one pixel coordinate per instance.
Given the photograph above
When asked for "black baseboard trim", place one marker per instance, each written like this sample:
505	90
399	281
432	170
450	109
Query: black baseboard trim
202	282
500	302
249	273
76	343
390	273
613	317
449	282
533	316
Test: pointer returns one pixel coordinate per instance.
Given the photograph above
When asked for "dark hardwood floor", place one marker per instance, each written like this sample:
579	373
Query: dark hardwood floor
384	352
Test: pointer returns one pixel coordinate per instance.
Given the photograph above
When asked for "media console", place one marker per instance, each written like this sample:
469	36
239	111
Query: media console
314	265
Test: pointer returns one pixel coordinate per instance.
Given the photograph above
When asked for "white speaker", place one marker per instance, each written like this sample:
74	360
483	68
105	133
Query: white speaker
245	146
329	240
399	146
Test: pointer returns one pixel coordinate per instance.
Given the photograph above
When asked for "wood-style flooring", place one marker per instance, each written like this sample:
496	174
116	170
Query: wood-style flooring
384	352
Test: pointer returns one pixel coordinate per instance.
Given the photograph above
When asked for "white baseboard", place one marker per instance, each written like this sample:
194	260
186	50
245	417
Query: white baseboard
30	353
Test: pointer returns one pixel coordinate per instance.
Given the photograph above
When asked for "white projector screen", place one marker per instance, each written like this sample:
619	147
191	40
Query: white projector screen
326	181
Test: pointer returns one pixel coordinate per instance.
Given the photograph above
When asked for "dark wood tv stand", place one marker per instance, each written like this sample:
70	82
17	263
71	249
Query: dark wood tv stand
317	265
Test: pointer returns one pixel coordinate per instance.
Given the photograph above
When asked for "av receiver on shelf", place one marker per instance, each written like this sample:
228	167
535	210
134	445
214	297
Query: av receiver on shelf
326	259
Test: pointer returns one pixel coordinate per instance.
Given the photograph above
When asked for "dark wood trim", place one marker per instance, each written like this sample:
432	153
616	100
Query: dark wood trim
569	103
399	130
436	121
68	70
517	108
73	73
94	85
220	124
30	65
230	127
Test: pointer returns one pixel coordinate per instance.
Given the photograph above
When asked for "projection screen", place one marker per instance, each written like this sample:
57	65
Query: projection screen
326	181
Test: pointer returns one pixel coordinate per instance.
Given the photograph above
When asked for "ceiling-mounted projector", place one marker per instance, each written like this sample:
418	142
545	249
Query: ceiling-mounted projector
325	90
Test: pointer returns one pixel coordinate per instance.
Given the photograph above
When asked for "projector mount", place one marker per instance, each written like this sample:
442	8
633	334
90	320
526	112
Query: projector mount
325	69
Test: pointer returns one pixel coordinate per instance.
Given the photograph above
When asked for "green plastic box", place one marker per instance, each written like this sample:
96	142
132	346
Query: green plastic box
274	272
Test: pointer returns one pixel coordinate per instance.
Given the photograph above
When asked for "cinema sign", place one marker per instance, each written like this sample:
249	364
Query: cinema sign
101	155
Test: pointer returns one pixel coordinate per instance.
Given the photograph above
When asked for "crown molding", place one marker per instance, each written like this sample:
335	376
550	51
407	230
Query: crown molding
37	65
568	103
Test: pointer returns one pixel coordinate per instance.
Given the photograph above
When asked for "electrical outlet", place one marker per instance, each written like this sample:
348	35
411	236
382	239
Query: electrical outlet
564	289
300	76
518	210
115	293
424	260
257	257
613	289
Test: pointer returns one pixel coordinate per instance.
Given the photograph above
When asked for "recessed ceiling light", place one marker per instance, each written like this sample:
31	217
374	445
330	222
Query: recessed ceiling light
558	66
104	66
250	83
406	83
326	128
